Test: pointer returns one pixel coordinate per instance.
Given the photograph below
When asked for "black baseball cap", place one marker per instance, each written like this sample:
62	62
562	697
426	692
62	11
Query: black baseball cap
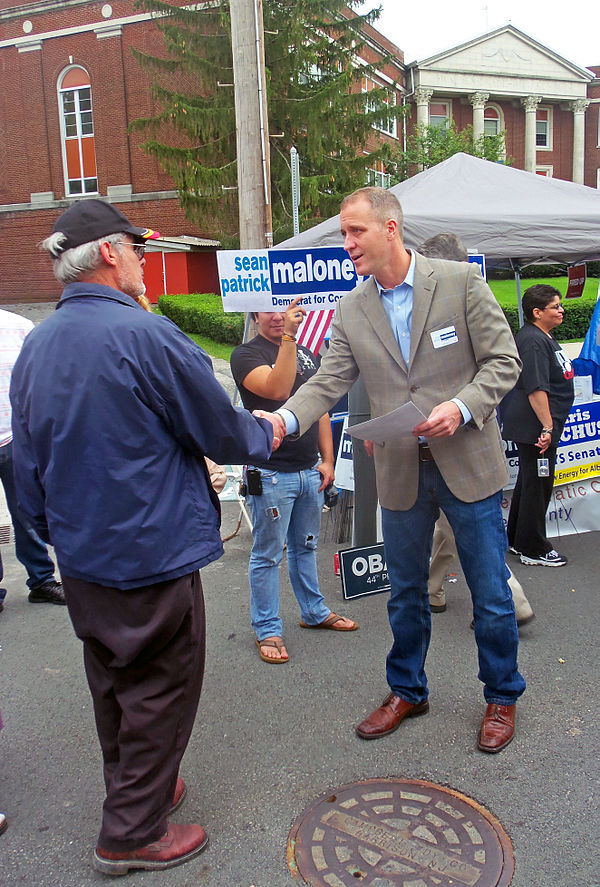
91	219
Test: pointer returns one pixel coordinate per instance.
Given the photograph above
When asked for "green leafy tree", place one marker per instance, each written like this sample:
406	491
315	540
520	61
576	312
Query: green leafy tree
315	103
429	145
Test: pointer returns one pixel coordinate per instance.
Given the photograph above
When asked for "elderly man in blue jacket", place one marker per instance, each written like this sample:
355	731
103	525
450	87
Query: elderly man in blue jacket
114	410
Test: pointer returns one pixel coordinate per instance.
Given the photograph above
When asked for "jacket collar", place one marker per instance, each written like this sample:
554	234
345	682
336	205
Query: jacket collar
423	289
95	291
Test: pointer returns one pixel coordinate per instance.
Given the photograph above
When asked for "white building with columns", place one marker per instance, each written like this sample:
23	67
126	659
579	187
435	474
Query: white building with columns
505	81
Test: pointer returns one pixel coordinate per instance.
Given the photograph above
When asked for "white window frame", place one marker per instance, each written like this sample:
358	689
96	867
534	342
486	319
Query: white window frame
379	178
544	169
448	118
382	125
63	131
501	125
550	131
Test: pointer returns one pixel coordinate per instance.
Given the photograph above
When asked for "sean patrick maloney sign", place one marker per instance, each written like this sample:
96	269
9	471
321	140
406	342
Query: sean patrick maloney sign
268	280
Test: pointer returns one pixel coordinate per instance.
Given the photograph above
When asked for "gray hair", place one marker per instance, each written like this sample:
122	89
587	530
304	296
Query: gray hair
68	266
444	246
384	204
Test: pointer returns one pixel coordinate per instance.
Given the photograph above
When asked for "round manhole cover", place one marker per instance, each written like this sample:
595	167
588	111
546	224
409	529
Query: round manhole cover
399	833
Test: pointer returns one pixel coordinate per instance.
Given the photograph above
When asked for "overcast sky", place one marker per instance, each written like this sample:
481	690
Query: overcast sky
570	28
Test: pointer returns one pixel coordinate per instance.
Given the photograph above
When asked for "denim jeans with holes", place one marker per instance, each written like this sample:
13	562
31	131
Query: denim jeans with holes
289	508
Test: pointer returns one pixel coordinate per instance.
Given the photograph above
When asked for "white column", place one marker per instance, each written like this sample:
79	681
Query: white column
530	103
422	99
579	107
478	100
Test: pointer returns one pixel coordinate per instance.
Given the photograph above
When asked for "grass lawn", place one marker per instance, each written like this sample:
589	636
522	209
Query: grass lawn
506	290
212	348
215	349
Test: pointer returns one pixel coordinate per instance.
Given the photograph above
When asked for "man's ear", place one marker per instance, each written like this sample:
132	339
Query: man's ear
109	253
391	227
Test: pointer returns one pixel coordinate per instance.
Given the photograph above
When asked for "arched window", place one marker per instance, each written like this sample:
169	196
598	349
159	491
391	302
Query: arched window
491	121
77	131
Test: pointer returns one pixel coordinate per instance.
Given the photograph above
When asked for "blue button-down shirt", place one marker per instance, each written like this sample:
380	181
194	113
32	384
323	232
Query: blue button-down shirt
398	304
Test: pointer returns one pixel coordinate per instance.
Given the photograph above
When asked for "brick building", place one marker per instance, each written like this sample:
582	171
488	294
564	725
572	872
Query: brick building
70	87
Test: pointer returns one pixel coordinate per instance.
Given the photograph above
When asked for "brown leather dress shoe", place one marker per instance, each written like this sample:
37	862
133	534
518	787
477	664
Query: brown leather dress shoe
178	795
389	716
180	843
497	728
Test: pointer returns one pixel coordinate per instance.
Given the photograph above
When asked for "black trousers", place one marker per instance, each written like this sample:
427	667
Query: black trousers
526	527
144	659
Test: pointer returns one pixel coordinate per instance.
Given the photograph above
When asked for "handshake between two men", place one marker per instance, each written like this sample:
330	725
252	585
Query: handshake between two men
443	421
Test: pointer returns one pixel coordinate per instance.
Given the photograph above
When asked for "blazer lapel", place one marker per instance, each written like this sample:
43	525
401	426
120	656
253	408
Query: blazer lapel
376	316
423	290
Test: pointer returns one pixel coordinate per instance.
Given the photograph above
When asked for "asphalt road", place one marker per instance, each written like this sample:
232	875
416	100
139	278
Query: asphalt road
269	741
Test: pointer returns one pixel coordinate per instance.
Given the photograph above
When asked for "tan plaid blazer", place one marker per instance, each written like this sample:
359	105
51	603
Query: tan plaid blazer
480	366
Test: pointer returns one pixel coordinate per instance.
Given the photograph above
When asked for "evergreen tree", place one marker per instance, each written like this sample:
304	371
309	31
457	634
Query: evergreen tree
315	103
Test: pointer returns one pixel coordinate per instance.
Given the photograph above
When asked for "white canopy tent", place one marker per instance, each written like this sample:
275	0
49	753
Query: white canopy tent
513	217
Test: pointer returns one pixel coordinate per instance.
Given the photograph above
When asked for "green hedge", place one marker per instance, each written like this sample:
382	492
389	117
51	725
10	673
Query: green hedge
202	313
576	321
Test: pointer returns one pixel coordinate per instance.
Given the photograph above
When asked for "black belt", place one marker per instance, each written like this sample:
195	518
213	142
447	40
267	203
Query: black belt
425	454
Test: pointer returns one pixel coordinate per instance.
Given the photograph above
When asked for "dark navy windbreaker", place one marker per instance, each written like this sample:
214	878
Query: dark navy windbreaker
113	411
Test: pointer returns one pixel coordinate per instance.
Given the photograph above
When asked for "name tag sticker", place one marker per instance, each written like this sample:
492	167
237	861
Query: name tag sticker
441	338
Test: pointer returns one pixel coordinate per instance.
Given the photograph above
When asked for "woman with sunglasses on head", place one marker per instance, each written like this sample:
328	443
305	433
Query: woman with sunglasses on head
533	416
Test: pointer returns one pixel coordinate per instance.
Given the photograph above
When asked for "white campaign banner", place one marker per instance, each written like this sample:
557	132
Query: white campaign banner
574	508
269	279
578	451
344	467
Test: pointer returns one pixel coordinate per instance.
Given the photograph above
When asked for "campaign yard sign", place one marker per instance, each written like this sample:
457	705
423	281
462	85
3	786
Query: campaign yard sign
269	279
363	571
578	451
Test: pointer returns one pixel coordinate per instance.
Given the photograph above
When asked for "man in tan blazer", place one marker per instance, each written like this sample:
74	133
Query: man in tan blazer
428	331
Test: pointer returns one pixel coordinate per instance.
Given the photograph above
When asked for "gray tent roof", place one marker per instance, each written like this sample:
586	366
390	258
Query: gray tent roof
512	216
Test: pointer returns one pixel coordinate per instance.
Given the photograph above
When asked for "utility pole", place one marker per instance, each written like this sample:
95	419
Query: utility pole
253	163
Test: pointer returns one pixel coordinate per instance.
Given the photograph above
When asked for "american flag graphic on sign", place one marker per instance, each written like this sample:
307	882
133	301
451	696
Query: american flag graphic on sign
314	328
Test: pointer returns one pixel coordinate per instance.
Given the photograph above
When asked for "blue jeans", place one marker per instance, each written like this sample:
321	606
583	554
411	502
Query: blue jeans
481	542
29	548
290	507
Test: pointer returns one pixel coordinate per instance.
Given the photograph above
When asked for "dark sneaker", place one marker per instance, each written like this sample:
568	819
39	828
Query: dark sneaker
551	559
513	550
50	592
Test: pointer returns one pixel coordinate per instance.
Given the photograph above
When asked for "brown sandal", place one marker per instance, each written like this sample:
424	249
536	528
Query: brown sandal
271	642
331	624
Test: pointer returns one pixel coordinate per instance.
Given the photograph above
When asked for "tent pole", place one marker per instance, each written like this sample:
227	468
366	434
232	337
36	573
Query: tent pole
519	302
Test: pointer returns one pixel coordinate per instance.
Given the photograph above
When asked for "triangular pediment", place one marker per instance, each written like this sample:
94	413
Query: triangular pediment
506	50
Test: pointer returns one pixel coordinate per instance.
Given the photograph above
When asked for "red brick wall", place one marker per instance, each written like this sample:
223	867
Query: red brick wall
26	272
30	142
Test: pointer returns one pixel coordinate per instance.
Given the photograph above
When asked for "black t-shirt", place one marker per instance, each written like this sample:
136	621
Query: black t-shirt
292	455
546	367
